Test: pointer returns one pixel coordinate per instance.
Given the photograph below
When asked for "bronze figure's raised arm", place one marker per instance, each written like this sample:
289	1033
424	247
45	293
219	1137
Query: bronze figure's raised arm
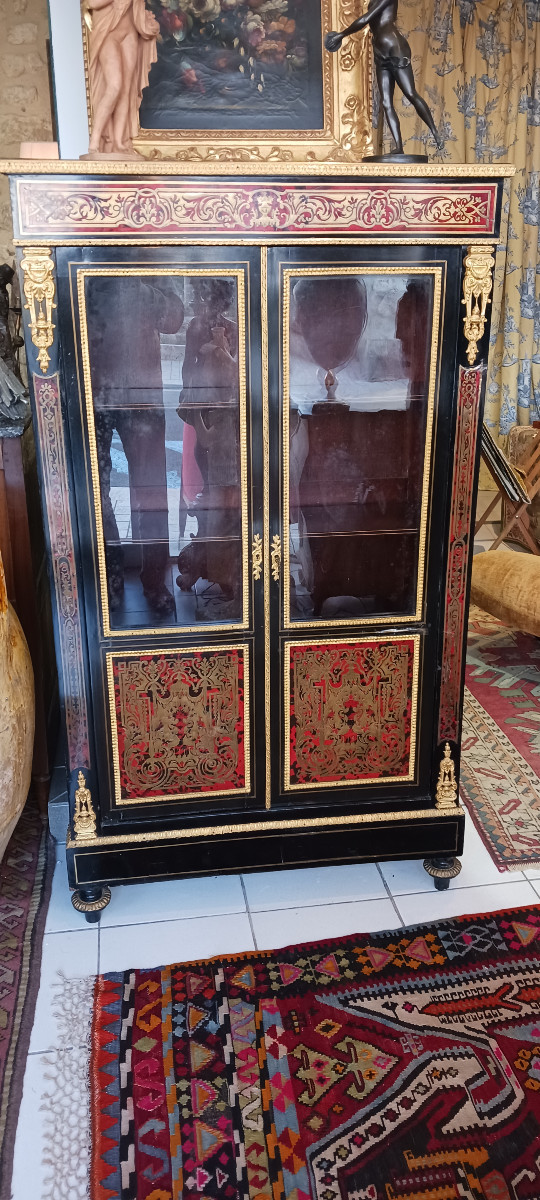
392	55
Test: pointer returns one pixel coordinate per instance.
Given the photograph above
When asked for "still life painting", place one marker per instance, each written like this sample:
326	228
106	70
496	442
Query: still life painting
235	64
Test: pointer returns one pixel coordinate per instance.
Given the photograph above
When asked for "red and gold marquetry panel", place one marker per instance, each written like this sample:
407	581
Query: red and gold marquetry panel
180	723
469	395
173	209
56	494
352	711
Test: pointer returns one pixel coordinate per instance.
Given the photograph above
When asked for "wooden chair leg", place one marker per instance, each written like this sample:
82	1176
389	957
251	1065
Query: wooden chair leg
489	509
517	513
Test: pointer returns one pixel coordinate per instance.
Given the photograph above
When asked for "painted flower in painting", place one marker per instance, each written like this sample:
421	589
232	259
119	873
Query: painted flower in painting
253	30
203	10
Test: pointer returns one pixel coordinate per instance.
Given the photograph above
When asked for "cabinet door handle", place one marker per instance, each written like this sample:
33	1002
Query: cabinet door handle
275	555
256	556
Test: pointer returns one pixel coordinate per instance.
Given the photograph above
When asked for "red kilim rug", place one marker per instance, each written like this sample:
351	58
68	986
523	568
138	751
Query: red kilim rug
500	771
24	890
388	1066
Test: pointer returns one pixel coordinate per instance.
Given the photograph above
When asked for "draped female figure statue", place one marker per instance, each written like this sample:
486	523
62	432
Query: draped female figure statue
392	55
121	49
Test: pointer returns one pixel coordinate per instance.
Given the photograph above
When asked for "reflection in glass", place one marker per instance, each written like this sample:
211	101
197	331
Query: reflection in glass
163	352
359	354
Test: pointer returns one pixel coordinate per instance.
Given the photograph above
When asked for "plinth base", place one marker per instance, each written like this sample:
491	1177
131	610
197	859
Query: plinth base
396	158
101	155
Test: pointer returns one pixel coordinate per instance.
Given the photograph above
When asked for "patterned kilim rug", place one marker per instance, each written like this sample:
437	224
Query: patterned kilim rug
385	1066
24	891
500	772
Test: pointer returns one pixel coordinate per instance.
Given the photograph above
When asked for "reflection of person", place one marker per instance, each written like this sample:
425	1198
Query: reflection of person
209	403
125	318
122	48
392	55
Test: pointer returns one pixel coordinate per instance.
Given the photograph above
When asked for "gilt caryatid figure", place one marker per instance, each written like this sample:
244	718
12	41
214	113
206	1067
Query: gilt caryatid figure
121	49
392	55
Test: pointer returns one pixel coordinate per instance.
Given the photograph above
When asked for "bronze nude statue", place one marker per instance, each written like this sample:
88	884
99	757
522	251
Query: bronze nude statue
392	55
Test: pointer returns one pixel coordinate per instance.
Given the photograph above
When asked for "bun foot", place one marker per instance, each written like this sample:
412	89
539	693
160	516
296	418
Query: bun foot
442	869
91	901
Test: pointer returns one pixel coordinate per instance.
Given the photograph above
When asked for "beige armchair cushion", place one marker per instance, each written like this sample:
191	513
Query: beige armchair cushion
507	585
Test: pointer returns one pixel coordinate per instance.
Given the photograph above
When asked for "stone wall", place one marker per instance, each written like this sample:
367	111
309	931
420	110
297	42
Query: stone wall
25	103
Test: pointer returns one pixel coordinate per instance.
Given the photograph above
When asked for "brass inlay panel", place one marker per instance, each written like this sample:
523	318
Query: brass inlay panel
37	266
308	823
327	784
158	270
185	652
477	285
360	269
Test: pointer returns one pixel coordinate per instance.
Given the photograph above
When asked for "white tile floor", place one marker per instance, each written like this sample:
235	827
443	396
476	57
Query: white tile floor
145	926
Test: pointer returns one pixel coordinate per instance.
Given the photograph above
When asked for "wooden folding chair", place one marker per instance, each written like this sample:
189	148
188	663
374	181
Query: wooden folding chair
516	485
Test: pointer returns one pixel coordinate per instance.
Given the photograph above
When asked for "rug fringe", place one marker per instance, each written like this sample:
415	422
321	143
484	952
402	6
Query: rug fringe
65	1100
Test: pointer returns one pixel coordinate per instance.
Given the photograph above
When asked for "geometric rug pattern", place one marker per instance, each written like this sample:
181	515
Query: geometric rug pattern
385	1066
500	765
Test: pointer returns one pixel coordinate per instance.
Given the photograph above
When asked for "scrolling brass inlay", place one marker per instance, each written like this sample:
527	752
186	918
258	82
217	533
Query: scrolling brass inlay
275	557
447	790
257	556
477	285
180	723
210	208
352	709
84	817
38	268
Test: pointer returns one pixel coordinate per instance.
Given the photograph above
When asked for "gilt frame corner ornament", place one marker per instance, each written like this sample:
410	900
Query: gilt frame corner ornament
477	286
37	266
446	796
84	817
345	133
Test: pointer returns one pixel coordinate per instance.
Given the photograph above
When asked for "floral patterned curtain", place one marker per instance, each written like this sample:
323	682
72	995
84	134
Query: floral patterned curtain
477	62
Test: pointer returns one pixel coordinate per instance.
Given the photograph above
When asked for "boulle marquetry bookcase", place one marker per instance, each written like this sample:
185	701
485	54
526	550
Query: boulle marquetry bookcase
256	400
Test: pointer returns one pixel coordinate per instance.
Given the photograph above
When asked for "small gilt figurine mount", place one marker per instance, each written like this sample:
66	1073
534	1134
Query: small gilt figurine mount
392	55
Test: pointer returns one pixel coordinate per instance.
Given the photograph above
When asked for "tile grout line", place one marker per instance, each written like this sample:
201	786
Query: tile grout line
248	910
390	897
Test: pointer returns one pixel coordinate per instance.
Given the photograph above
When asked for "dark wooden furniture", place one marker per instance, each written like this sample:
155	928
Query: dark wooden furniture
257	401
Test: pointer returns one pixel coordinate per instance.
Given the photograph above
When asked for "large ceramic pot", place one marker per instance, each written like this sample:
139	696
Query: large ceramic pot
16	717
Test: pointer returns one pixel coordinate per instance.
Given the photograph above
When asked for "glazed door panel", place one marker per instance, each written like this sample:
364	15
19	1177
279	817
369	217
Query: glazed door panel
358	409
164	430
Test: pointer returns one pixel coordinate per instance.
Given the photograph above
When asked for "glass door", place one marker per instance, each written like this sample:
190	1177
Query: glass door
162	425
356	386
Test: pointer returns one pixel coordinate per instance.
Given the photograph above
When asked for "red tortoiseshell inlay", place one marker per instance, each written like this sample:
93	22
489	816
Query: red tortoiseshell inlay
179	723
470	384
168	208
56	496
351	711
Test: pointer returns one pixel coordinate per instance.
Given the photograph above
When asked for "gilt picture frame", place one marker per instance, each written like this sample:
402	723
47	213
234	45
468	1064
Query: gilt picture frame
250	81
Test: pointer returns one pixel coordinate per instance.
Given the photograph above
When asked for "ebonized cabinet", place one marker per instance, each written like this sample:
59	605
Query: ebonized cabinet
257	400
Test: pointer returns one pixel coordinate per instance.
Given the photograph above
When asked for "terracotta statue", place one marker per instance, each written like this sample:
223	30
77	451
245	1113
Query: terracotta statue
121	50
392	55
